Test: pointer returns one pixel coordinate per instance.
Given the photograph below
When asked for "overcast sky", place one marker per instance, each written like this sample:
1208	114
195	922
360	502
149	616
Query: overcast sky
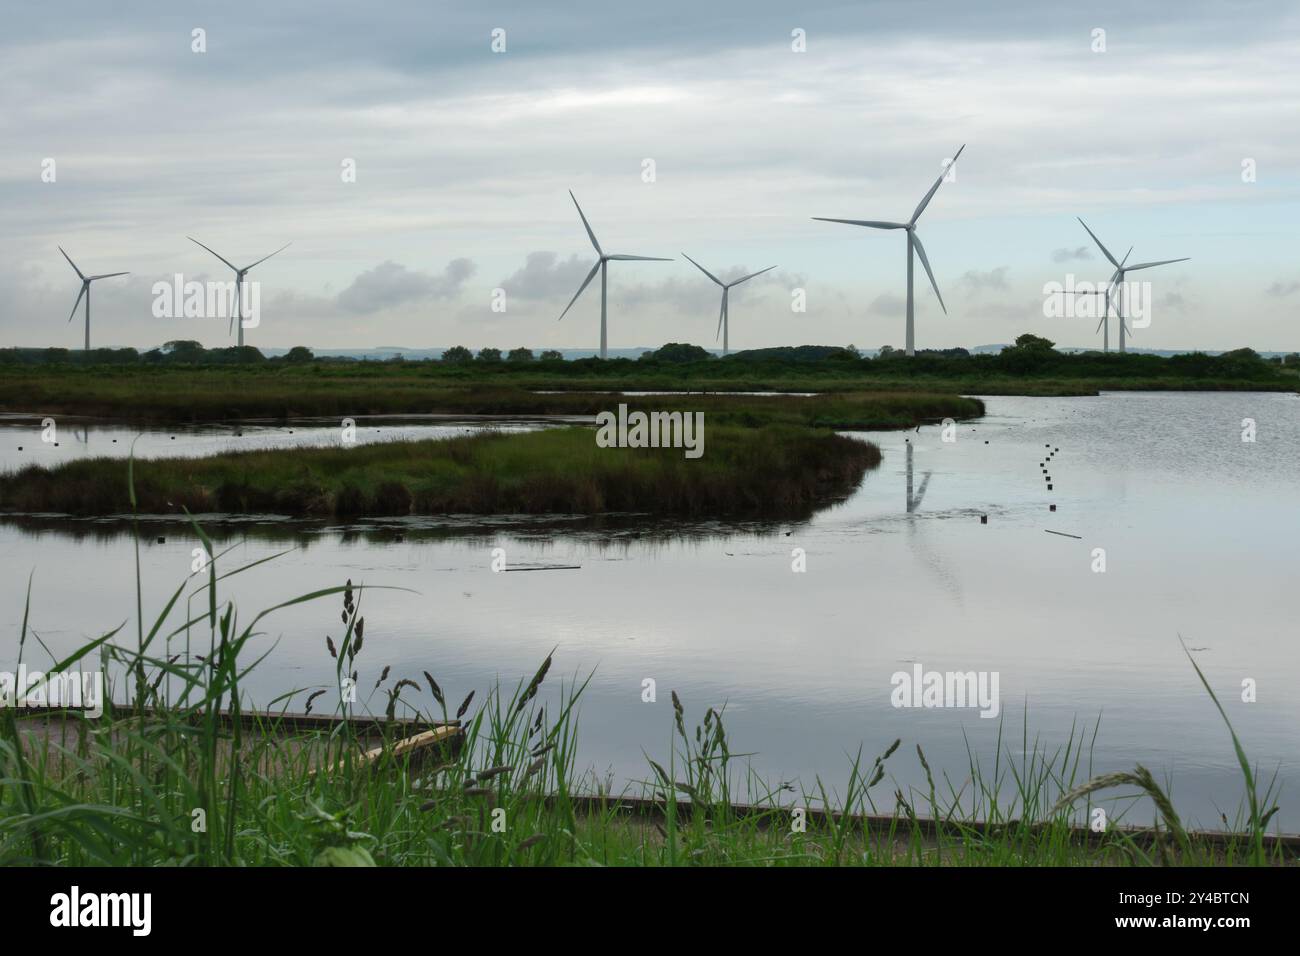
464	157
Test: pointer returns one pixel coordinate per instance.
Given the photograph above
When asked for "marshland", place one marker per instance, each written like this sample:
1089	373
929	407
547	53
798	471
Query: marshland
774	471
189	384
767	603
768	456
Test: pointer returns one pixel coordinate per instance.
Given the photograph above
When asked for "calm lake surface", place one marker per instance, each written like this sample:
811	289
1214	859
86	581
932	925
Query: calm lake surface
22	442
1201	534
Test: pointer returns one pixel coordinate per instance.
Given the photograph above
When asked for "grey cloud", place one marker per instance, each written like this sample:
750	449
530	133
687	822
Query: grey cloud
693	291
1281	290
975	281
886	304
1078	253
391	284
545	276
1174	301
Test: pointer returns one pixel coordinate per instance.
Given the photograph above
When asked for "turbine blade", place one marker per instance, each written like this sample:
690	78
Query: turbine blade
585	282
920	208
214	252
591	235
750	276
71	263
78	302
1126	255
869	223
1099	324
264	258
1162	262
1104	250
920	249
106	275
639	258
722	310
704	270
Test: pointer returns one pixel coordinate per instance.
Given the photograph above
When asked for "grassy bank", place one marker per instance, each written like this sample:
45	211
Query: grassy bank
179	788
771	470
910	387
210	395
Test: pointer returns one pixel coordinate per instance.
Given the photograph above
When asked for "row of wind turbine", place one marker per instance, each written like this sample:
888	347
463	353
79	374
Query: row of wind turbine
239	282
1113	291
604	258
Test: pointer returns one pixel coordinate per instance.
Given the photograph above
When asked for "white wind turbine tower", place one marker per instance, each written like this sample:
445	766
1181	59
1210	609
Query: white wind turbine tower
601	265
913	242
1117	280
723	315
238	315
85	291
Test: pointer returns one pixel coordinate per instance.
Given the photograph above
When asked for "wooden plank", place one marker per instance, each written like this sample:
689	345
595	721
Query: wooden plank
413	749
253	720
764	816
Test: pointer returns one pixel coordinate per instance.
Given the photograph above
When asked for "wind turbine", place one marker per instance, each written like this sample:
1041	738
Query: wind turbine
1117	280
723	316
601	265
1105	316
913	242
85	291
239	280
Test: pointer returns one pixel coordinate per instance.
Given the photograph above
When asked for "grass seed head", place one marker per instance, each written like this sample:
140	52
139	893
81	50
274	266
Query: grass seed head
460	711
434	689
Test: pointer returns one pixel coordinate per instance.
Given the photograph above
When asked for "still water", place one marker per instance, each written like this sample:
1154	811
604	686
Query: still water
1201	538
34	440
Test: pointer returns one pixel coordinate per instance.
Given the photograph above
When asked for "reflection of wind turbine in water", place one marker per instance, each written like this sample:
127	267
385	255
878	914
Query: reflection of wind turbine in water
914	502
948	581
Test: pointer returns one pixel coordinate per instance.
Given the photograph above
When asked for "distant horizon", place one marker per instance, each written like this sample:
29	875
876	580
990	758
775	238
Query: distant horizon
572	352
